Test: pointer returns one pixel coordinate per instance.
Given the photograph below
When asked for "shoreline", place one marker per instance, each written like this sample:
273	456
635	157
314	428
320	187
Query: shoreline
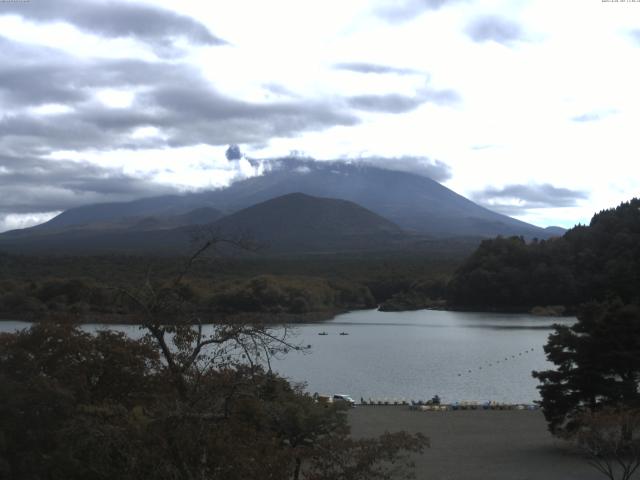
546	311
132	319
266	318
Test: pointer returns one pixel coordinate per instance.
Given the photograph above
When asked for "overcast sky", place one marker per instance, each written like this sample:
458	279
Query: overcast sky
531	108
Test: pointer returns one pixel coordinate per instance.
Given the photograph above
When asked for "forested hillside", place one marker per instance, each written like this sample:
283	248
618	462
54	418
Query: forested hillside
591	262
293	289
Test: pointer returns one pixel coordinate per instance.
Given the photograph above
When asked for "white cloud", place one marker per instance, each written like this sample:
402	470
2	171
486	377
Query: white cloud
16	221
559	108
115	98
50	109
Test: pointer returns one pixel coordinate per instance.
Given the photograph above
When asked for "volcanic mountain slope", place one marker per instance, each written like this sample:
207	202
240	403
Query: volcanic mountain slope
124	223
299	222
293	223
413	202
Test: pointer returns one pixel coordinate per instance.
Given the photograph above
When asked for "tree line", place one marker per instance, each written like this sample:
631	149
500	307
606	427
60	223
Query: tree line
89	300
588	263
287	288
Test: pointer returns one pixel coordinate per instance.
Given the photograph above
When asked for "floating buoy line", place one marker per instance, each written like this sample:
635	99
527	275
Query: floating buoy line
498	361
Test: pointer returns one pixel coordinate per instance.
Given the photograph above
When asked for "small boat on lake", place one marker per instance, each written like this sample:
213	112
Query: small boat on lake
323	333
344	333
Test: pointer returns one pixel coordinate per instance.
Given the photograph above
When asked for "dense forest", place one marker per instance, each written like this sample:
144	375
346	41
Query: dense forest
594	262
288	288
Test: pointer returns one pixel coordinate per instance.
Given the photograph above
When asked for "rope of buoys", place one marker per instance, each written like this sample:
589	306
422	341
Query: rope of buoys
490	364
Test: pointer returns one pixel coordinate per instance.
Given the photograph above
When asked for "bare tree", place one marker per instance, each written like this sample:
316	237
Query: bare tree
217	368
190	346
611	440
193	349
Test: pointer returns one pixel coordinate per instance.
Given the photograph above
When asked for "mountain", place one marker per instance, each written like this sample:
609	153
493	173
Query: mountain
198	216
413	202
555	231
133	234
167	206
293	223
297	222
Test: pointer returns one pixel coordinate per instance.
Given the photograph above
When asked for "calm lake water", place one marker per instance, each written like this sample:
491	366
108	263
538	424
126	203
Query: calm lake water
415	355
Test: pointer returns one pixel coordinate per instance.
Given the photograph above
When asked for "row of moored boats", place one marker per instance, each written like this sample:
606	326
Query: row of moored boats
436	406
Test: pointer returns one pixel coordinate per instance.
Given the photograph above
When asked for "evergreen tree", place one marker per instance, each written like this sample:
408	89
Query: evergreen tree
597	364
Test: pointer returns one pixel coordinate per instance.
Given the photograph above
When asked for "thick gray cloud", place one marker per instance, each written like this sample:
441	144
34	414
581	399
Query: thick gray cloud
397	103
115	19
390	103
424	166
41	185
517	199
31	75
403	10
172	97
25	53
427	167
494	28
362	67
181	122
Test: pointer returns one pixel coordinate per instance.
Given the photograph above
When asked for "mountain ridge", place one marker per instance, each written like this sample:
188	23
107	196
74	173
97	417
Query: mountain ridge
292	223
297	221
398	210
414	202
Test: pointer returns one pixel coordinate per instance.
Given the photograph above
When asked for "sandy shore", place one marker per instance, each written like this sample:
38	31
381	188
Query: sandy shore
479	445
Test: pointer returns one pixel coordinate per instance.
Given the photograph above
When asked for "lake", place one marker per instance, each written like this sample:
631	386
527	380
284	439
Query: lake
415	355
